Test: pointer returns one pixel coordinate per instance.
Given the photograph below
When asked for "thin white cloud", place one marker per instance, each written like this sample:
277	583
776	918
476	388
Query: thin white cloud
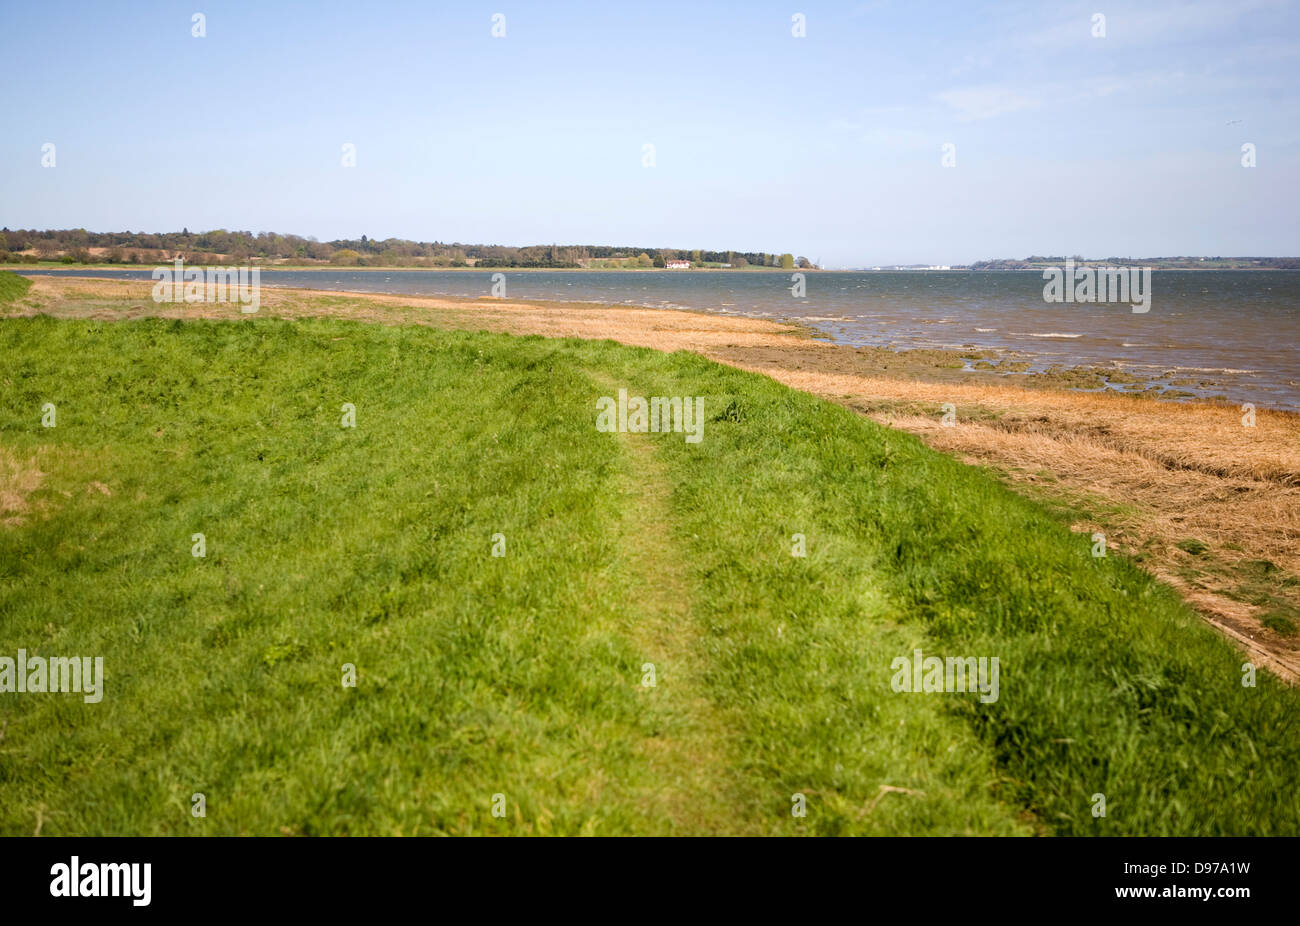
972	104
986	102
1159	24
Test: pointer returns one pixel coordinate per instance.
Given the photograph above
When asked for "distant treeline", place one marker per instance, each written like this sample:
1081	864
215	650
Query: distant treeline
235	247
1169	263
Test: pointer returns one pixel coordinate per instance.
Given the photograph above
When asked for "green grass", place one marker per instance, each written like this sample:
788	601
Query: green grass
1280	622
522	675
12	286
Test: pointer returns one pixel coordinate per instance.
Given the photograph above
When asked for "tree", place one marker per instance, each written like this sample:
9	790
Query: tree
346	257
643	260
787	261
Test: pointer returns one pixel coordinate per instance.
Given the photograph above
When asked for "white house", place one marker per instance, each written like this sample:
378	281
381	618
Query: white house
678	264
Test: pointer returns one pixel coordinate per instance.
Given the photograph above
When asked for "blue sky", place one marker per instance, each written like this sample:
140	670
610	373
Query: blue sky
829	146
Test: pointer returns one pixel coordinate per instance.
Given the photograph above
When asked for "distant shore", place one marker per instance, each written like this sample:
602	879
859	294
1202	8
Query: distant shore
22	267
332	268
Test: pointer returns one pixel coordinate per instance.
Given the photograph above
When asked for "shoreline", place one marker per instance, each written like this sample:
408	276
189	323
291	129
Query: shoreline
965	365
1145	378
1183	488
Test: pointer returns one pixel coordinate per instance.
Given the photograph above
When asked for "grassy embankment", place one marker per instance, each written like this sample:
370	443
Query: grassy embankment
523	675
12	286
1202	502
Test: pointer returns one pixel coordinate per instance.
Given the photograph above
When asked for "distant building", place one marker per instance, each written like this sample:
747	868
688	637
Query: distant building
678	264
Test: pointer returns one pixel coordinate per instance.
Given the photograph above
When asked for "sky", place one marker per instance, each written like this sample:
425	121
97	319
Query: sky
829	145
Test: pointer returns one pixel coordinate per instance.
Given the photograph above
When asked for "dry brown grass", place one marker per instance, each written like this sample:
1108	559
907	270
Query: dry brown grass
1148	474
19	478
109	300
1175	435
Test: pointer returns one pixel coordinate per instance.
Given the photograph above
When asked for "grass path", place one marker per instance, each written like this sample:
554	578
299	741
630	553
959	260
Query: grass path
690	748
